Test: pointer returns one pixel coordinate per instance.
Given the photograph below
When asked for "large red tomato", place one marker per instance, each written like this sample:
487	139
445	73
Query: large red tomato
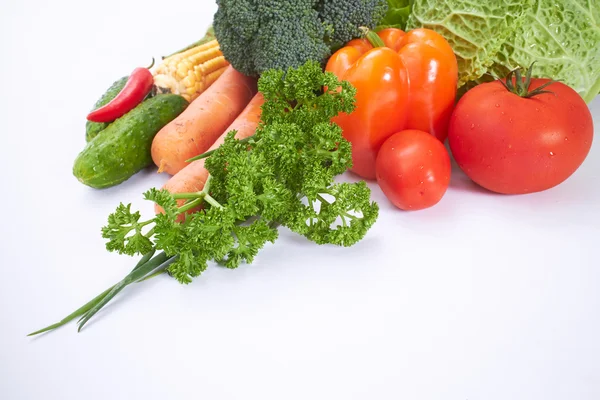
510	143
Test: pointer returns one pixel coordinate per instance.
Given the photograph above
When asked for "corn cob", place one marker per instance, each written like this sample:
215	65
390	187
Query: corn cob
191	72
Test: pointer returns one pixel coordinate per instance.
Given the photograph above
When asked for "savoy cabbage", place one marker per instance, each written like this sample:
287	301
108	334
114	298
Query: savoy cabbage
494	36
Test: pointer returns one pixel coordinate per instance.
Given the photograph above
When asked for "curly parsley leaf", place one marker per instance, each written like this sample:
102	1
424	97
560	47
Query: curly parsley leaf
165	200
124	232
249	240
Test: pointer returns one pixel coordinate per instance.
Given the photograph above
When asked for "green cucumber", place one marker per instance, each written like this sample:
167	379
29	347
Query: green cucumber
94	128
123	148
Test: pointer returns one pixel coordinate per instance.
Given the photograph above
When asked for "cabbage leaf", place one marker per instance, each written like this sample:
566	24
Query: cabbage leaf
494	36
396	16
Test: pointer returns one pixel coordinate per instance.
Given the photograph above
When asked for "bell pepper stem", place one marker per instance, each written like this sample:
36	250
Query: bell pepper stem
372	37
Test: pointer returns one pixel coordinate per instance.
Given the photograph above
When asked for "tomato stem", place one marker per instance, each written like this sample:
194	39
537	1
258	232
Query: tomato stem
372	37
520	86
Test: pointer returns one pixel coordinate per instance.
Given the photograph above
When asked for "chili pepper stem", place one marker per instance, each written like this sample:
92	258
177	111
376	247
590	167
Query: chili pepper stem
152	64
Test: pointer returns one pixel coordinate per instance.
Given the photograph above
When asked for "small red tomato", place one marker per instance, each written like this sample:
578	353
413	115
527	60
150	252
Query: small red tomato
510	139
413	169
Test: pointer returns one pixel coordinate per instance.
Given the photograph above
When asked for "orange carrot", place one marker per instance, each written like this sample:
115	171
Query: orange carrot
192	177
202	122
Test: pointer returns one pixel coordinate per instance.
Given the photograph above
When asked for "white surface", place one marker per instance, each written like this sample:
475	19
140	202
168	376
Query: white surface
483	297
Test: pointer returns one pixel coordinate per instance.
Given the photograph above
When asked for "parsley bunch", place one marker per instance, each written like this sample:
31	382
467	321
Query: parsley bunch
283	175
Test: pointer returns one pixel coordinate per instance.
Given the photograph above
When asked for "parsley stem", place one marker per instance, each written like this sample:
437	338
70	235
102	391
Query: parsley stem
210	200
210	152
190	205
207	184
192	195
196	197
347	215
322	199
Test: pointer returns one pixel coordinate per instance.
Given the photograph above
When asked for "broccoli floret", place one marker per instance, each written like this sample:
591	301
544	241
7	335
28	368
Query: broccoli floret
288	43
258	35
342	18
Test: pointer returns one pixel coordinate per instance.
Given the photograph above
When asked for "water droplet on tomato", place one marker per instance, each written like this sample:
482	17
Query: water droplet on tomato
421	167
566	139
472	126
497	105
551	153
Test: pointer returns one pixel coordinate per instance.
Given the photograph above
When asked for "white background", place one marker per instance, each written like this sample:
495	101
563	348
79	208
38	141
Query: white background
483	297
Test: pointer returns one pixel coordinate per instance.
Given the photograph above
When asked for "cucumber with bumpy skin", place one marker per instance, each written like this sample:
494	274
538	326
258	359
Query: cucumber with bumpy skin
94	128
123	148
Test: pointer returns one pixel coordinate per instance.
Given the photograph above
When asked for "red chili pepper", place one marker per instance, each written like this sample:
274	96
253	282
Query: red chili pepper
135	90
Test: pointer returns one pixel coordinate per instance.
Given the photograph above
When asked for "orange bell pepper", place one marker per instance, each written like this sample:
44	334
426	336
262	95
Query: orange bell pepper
403	81
381	81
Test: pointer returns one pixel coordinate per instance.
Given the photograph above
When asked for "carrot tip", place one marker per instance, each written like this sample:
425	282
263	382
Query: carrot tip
162	166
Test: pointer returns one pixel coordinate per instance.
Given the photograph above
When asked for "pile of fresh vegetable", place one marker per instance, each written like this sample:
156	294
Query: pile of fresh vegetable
256	119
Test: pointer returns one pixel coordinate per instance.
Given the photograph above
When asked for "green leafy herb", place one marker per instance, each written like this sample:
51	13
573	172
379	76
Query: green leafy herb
283	175
124	232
